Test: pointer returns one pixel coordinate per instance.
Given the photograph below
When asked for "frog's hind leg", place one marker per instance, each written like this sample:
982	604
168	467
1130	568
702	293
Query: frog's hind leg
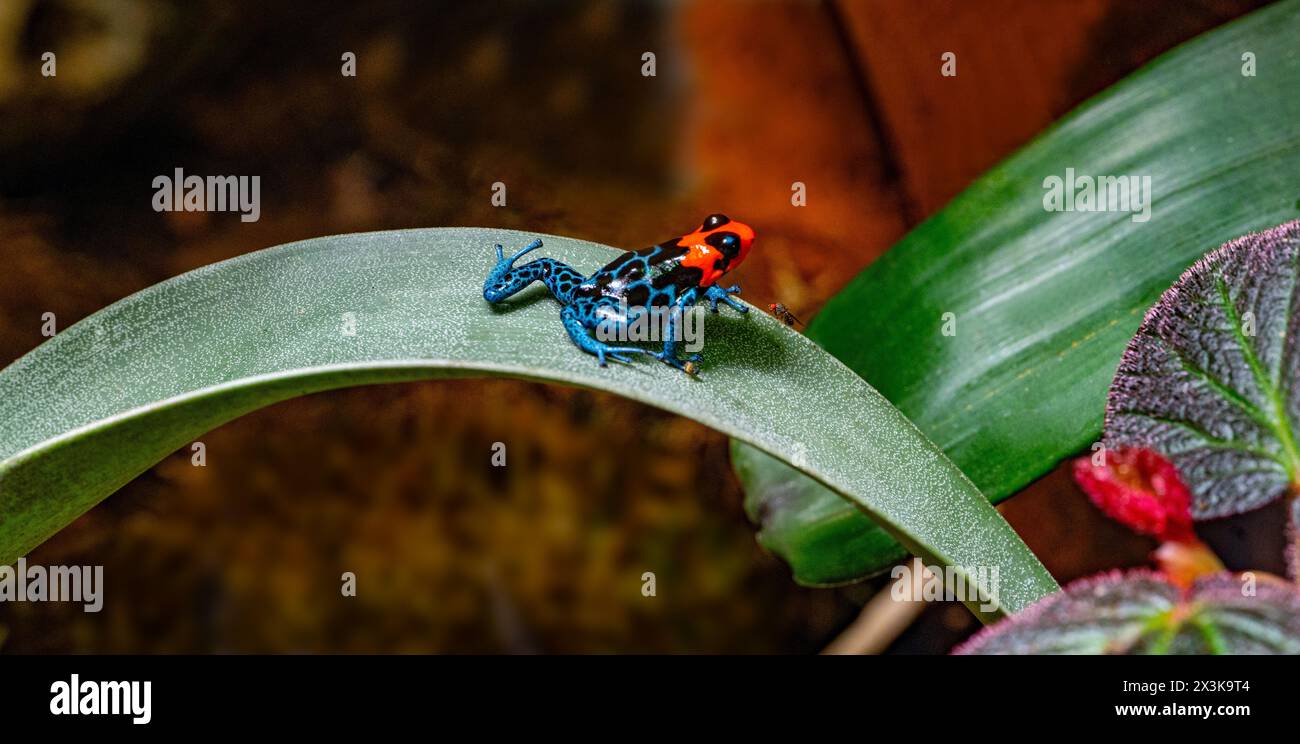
583	339
506	279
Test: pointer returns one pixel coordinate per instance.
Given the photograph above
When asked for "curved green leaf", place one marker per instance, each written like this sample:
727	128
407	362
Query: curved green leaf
98	404
1209	379
1142	613
829	539
1044	303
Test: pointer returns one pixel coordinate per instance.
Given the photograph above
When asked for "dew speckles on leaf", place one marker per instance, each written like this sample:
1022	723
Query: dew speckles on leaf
148	374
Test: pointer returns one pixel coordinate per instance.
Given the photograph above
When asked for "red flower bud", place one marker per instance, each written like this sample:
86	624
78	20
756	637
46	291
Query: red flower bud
1140	489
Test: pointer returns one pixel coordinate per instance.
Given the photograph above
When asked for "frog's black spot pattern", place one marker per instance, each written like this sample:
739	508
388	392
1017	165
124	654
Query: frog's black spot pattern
665	251
678	276
649	277
629	271
638	295
727	242
620	262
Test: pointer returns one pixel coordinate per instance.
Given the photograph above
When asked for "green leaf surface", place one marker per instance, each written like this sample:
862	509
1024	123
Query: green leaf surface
830	538
95	406
1209	379
1142	613
1044	302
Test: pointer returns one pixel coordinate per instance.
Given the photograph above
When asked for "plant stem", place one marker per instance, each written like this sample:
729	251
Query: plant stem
1184	561
883	618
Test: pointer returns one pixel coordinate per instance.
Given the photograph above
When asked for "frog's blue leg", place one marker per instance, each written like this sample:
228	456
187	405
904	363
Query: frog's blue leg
505	279
683	305
583	339
716	294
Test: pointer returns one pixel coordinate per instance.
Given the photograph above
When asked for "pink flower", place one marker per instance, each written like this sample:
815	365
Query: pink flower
1140	489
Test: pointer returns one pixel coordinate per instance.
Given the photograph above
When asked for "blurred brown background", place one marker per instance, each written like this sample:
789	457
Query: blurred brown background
394	483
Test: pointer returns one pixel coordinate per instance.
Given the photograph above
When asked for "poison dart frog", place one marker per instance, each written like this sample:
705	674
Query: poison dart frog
676	275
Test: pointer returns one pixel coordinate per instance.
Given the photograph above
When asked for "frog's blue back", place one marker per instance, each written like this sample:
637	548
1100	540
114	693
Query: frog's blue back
675	274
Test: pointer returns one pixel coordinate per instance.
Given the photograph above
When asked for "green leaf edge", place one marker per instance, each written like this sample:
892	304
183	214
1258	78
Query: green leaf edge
47	484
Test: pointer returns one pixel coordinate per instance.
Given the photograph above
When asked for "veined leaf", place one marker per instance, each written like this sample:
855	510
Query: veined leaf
87	411
1044	303
1142	613
1209	381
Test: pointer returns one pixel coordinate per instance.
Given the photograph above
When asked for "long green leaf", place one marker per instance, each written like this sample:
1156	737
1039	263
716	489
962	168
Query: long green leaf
1045	302
98	404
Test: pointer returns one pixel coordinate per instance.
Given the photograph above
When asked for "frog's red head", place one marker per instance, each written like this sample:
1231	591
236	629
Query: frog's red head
716	247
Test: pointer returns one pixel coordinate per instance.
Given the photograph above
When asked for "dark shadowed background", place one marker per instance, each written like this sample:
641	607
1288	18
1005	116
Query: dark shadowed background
394	483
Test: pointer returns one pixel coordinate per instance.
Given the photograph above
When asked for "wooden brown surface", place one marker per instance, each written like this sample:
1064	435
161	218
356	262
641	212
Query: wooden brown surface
1020	66
775	101
1013	62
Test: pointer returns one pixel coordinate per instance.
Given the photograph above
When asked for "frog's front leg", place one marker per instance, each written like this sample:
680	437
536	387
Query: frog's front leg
716	294
578	332
683	305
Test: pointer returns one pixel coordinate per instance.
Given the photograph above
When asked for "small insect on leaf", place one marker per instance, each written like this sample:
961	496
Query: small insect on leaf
783	314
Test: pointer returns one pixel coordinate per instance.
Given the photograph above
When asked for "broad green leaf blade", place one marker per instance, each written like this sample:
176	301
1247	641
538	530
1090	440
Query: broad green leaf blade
830	538
98	404
1142	613
1044	303
1209	379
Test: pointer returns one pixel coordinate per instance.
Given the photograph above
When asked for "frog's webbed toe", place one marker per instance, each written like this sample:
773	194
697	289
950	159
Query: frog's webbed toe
601	350
617	353
687	365
716	294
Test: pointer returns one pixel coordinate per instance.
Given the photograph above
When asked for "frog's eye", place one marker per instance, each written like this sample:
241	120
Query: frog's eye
714	221
726	242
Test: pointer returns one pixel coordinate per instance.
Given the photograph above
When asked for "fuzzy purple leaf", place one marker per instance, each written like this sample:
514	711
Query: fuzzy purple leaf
1142	613
1208	381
